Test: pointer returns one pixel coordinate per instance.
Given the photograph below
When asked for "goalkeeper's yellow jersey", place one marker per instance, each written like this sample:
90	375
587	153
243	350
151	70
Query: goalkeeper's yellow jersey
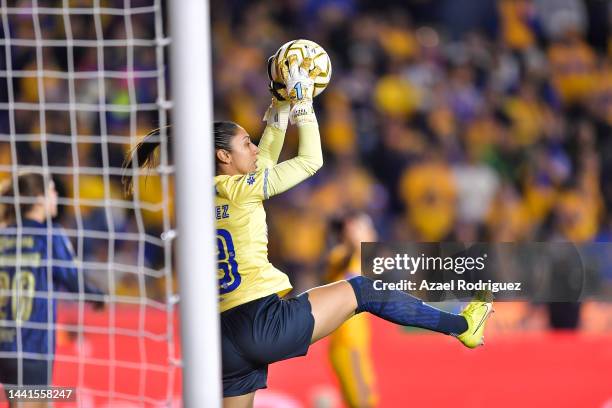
244	272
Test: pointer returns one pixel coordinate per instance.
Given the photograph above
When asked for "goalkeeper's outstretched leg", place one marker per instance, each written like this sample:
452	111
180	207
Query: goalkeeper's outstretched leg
262	332
335	303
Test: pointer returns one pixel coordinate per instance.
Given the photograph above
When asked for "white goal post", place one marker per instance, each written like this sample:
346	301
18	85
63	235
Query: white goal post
193	152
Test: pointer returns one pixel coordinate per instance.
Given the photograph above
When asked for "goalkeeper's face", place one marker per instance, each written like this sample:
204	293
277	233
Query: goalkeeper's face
244	153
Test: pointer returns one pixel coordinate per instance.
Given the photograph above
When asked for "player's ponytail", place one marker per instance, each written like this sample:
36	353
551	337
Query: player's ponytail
144	153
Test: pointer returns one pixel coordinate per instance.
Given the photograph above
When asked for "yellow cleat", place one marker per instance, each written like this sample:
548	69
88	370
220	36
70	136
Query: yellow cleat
476	314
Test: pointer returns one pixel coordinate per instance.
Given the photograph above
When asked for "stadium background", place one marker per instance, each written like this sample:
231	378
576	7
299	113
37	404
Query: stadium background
445	120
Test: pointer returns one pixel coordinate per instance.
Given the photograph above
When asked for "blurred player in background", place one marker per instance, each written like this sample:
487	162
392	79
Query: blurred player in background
258	327
28	308
349	345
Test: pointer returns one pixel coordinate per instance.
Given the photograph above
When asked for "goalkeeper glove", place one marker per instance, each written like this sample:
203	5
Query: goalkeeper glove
277	89
299	82
277	114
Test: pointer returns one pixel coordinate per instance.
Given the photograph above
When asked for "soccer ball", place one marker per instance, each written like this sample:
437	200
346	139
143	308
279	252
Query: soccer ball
302	48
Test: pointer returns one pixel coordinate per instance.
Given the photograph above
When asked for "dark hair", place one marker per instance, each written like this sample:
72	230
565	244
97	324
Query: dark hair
144	153
29	185
224	131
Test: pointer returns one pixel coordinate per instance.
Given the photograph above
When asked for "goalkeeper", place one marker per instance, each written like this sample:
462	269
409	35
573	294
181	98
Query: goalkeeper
258	325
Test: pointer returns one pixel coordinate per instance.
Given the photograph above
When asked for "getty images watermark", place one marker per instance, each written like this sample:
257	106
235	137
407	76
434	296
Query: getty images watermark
458	265
540	272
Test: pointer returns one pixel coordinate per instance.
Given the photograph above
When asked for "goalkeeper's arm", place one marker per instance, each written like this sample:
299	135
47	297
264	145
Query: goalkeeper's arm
287	174
271	142
299	90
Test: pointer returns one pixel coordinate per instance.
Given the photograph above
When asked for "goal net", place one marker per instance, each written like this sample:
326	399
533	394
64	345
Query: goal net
81	82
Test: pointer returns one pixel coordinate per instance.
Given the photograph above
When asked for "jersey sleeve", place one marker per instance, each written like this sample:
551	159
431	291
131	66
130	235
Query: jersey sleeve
287	174
270	146
65	272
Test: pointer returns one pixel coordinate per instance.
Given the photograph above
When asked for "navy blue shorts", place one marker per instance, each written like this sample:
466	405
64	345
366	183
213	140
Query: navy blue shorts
34	372
261	332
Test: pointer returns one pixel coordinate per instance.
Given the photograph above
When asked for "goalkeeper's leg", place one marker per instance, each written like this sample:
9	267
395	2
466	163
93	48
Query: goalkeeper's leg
334	303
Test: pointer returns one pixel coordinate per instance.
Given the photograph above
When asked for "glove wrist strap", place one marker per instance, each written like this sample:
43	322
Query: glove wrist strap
277	115
302	113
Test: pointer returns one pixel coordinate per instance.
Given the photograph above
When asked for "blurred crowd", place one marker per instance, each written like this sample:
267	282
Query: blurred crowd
445	120
74	77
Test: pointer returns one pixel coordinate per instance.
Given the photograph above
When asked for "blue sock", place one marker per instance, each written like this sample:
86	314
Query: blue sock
401	308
